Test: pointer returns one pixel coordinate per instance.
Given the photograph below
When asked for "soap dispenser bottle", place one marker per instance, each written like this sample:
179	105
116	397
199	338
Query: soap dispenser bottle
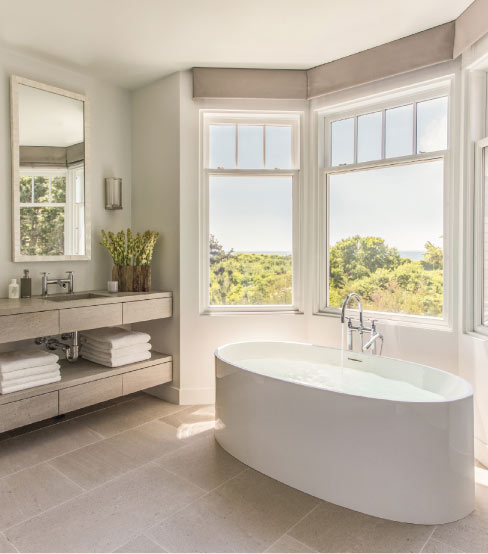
26	285
13	289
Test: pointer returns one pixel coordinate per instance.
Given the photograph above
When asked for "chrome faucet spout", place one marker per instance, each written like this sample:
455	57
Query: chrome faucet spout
345	304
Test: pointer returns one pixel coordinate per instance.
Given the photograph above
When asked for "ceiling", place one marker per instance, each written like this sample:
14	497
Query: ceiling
133	42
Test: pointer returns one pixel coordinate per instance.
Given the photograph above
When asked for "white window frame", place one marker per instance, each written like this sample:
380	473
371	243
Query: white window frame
479	197
71	216
212	117
413	96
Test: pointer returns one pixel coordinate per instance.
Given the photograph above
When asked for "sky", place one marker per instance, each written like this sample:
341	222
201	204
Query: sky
402	204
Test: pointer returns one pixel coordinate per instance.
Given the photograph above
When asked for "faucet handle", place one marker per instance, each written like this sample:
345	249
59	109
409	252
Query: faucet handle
69	273
45	273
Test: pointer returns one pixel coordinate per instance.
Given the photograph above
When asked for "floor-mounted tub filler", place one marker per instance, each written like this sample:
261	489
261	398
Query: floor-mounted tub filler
381	436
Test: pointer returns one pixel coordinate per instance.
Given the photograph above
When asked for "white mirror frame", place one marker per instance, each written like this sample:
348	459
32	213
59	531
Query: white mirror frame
15	81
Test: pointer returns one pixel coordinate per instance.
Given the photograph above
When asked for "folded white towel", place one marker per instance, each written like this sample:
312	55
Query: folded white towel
32	384
33	378
115	353
114	337
23	359
29	372
123	360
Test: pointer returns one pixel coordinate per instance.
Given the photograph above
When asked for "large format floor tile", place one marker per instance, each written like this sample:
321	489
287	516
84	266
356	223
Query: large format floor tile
246	514
471	533
31	491
330	528
203	463
105	518
128	415
141	544
30	449
95	464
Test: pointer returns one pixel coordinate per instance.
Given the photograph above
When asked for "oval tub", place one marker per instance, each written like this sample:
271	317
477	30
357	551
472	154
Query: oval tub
388	438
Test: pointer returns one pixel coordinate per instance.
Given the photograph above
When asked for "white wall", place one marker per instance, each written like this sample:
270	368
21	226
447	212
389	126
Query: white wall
473	348
156	202
202	334
110	155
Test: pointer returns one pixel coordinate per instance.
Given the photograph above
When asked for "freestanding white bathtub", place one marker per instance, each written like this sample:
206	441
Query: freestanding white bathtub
389	438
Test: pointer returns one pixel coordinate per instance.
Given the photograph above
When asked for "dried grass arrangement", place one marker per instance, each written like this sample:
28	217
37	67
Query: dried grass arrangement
131	254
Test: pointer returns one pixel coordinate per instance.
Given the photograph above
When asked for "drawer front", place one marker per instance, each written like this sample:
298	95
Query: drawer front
148	377
144	310
29	410
28	326
80	396
90	317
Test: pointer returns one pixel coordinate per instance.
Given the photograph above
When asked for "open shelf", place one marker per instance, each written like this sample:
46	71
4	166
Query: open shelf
81	372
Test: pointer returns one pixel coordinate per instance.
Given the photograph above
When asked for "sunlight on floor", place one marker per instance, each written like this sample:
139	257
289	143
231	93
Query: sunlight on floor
481	476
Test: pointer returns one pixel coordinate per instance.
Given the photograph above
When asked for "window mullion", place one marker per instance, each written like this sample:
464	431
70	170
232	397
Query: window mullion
356	140
414	129
237	146
383	134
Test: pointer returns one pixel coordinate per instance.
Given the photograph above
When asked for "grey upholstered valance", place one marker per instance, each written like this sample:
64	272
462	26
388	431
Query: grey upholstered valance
430	47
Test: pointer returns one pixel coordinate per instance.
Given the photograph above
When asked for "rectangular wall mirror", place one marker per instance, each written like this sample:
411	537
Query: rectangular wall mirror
50	196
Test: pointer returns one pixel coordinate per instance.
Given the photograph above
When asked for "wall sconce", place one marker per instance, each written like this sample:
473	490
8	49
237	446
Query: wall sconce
113	193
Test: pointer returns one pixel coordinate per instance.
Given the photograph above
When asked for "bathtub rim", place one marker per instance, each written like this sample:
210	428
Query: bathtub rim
469	393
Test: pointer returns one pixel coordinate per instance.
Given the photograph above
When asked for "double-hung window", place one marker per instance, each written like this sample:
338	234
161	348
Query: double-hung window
383	197
52	211
250	182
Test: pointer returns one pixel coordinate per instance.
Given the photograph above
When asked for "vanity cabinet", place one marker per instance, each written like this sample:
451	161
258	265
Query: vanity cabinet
27	411
83	383
81	396
92	317
30	325
146	310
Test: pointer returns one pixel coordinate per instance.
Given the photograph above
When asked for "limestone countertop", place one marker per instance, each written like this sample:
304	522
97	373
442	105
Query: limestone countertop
11	306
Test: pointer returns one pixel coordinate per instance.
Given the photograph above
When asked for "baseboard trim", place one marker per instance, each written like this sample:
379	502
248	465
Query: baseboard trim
197	396
183	397
481	451
165	392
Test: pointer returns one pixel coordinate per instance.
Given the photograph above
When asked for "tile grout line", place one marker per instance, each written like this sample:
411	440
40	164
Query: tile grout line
428	539
9	542
101	439
293	526
67	477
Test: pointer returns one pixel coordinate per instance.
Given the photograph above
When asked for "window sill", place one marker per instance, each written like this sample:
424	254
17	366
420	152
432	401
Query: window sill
427	323
251	312
478	335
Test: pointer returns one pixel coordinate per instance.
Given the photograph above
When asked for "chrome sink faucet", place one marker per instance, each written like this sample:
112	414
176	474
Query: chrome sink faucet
65	283
375	336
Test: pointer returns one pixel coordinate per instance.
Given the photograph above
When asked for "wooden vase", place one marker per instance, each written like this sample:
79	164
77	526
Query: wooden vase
141	278
132	278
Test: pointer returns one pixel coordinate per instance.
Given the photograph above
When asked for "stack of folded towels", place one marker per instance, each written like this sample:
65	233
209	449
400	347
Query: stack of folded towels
24	369
114	346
